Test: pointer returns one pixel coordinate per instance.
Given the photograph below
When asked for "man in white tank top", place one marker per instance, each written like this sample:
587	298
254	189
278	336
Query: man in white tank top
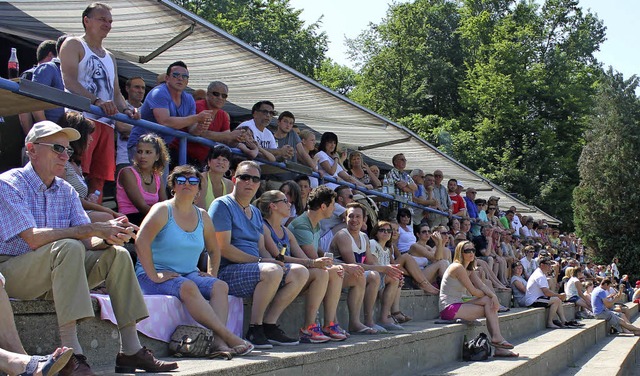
89	70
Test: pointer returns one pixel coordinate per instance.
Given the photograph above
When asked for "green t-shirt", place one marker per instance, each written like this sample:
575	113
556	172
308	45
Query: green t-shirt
303	231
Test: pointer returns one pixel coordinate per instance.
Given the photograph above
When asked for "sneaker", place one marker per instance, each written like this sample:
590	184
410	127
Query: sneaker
256	336
334	332
313	334
276	336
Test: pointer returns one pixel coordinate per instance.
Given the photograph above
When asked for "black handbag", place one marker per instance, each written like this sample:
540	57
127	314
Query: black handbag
476	349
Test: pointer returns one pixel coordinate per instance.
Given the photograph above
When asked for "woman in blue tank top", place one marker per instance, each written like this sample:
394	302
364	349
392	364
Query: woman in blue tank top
169	244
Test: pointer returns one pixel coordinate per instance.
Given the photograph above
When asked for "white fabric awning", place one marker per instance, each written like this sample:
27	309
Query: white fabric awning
142	27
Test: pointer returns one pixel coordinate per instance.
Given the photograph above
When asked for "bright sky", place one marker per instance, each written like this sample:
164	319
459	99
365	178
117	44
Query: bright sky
347	18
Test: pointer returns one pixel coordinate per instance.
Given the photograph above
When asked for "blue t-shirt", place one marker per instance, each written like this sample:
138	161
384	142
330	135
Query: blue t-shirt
49	74
159	97
175	249
597	300
227	215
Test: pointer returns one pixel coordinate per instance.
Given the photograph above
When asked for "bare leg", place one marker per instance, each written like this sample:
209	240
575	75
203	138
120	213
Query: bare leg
332	296
389	295
370	295
555	307
317	288
14	364
294	282
355	297
435	270
9	338
270	277
492	277
408	263
482	307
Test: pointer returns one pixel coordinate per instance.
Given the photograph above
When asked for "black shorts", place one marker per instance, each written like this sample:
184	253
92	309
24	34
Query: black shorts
542	301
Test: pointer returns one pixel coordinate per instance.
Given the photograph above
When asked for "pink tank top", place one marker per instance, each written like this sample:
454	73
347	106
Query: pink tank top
125	206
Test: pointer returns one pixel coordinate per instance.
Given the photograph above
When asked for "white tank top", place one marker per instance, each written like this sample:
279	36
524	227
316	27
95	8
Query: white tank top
97	75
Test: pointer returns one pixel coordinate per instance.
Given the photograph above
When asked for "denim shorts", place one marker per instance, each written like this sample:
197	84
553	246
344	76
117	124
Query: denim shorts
172	286
243	278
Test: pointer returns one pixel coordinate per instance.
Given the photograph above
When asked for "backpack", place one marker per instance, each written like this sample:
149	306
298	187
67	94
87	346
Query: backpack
476	349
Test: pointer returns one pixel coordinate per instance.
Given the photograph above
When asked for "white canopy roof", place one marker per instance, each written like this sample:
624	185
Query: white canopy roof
144	28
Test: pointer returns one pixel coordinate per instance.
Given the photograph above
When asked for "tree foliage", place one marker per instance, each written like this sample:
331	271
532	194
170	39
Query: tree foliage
510	83
607	201
272	26
336	77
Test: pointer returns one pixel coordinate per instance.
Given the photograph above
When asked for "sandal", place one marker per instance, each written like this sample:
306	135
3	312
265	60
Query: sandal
244	349
400	317
502	345
52	365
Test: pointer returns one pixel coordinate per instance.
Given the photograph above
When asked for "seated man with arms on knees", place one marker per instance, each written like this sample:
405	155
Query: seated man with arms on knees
602	303
43	250
539	295
13	359
306	229
353	247
247	266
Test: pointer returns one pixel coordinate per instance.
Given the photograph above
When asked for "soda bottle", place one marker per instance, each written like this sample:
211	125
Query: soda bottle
13	68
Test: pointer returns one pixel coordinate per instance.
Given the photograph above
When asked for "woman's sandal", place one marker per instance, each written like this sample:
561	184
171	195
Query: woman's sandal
244	349
52	365
400	317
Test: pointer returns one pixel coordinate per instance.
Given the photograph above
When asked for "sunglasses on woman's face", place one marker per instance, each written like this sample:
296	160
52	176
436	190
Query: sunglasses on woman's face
469	250
182	180
385	230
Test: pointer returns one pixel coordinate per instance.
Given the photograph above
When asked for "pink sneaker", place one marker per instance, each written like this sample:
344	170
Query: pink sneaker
313	334
335	332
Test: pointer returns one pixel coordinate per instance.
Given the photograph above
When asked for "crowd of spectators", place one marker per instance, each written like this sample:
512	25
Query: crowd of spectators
266	237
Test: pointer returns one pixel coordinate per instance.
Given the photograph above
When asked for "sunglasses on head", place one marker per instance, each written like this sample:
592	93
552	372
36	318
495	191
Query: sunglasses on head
57	148
182	180
247	177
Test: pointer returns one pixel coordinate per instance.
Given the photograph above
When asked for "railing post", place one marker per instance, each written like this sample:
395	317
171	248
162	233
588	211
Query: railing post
182	153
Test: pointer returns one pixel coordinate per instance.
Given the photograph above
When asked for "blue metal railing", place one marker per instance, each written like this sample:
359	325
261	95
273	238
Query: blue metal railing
184	137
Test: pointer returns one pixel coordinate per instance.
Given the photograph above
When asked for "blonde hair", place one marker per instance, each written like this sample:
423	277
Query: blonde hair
457	257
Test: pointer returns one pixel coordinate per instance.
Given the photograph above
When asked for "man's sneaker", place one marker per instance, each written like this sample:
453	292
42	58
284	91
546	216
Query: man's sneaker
256	336
313	334
276	336
334	331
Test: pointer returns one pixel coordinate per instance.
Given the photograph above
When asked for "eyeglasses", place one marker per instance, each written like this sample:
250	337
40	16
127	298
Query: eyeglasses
182	180
492	208
57	148
184	76
247	177
285	200
468	250
472	192
385	230
267	112
217	94
444	233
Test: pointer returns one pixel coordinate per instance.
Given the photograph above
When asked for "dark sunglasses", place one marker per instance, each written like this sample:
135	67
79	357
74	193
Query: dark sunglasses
424	231
180	75
267	112
285	200
385	230
469	250
217	94
57	148
247	177
182	180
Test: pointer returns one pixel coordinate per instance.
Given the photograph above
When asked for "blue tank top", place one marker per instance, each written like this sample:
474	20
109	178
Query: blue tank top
280	242
175	249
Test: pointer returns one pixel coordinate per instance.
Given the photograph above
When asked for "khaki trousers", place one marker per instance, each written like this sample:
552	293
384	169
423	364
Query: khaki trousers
63	271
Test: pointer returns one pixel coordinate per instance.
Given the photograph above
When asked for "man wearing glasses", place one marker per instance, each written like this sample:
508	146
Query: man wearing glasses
262	113
219	129
169	105
47	240
443	201
246	265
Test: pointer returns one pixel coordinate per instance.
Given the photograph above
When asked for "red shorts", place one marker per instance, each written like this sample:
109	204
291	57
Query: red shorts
99	160
449	312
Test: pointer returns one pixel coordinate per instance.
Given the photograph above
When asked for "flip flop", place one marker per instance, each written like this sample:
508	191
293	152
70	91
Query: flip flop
508	355
379	328
244	349
391	326
502	345
51	365
365	331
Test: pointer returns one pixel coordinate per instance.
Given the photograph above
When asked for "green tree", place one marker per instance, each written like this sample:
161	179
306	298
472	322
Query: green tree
410	63
607	201
337	77
271	26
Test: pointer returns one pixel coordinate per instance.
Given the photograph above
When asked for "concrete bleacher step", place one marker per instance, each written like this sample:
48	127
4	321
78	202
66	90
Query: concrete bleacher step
550	352
615	355
422	345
